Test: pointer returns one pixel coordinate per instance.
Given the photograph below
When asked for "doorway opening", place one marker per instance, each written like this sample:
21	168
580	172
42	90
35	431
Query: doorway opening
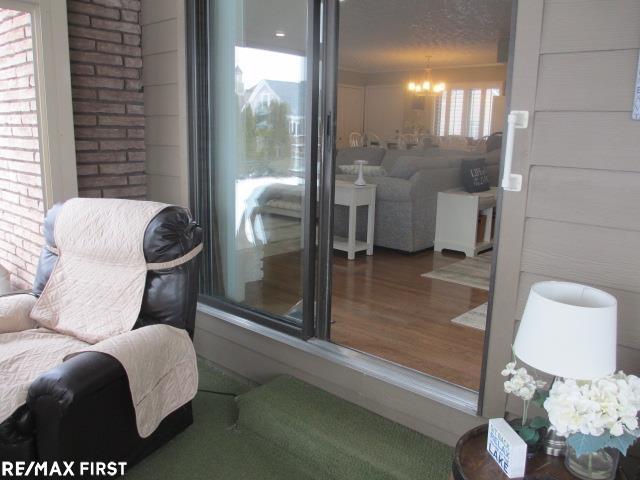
420	114
395	264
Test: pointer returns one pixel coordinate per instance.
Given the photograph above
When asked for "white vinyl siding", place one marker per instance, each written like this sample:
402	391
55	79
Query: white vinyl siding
578	216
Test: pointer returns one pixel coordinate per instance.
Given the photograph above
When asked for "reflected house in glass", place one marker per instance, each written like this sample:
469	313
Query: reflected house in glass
276	105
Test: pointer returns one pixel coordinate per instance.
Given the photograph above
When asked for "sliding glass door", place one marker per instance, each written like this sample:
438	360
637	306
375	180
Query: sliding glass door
255	186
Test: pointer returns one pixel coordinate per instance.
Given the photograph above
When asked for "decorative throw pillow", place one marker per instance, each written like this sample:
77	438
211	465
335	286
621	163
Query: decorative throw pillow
474	175
368	170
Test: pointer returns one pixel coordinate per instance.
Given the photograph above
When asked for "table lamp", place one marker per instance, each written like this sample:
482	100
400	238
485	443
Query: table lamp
568	330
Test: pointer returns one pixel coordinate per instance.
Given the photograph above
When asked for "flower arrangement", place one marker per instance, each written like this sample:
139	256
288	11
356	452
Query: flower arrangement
522	385
597	414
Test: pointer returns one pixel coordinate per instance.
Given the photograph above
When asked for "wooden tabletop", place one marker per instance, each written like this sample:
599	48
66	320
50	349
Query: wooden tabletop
473	462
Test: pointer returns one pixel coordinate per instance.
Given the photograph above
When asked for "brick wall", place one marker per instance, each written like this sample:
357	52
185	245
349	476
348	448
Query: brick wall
106	68
21	204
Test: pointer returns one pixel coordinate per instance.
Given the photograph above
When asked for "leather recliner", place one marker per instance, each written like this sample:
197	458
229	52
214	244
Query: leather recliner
82	410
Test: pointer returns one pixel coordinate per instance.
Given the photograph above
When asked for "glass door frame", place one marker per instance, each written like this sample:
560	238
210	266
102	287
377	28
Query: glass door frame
330	37
200	121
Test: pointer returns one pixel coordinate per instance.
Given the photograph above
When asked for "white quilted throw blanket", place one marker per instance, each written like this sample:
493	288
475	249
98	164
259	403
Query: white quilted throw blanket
95	290
160	362
23	357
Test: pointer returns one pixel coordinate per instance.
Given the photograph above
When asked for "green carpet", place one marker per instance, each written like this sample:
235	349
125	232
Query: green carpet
341	440
287	429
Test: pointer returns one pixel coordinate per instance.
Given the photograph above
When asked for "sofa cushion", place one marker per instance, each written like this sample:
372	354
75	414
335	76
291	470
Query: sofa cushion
493	157
388	188
367	170
406	166
429	154
494	142
373	155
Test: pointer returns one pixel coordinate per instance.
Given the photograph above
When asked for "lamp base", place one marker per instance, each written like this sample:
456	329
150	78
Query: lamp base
554	445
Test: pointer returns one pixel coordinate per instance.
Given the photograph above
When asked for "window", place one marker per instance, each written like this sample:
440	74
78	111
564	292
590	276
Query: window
295	127
475	105
440	115
455	112
488	109
464	111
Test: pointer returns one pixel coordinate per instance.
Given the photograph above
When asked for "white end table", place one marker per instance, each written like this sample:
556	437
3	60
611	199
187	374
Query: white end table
354	196
457	220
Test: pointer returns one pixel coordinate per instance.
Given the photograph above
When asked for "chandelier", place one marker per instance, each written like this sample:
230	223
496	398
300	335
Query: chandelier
426	86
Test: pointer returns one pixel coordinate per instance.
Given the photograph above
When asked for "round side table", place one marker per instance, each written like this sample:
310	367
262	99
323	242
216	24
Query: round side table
473	462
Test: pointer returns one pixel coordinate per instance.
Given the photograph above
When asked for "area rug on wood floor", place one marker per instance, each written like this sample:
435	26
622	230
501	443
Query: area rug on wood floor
472	272
476	318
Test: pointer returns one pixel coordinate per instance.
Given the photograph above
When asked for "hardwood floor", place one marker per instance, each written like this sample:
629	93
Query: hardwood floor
382	306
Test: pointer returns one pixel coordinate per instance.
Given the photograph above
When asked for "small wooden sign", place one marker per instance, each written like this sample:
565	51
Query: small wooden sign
636	96
507	448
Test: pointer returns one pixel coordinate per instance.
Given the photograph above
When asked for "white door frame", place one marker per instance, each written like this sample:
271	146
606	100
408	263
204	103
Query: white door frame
53	96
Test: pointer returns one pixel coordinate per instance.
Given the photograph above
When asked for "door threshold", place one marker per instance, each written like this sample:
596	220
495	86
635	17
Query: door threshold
407	379
403	377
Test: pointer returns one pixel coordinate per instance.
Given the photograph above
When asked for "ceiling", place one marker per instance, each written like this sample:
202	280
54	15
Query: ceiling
263	18
383	35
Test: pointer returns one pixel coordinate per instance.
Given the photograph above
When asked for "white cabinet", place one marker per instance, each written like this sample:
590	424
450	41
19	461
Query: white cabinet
457	220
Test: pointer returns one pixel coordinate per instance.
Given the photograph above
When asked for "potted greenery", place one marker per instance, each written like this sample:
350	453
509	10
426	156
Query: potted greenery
530	390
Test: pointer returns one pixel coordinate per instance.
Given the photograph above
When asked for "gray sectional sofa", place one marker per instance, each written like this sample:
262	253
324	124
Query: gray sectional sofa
406	197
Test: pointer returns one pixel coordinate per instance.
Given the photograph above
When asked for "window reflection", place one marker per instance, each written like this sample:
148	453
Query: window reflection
258	155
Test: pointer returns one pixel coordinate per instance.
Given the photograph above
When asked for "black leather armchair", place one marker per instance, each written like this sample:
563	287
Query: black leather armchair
82	410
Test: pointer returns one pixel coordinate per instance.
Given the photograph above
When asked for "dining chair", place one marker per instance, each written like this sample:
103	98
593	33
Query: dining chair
355	139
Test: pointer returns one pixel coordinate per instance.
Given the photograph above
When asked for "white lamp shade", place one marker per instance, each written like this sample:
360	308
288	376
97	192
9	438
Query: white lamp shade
568	330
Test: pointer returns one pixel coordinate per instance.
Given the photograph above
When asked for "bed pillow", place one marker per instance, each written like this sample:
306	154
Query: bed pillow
367	170
473	174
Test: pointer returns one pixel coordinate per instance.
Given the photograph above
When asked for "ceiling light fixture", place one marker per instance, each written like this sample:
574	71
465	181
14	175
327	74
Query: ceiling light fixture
280	33
426	86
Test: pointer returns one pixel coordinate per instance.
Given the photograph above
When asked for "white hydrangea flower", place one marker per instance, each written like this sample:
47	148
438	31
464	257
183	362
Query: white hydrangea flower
593	407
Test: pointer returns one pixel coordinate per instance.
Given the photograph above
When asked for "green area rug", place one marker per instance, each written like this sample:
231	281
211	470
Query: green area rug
287	429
